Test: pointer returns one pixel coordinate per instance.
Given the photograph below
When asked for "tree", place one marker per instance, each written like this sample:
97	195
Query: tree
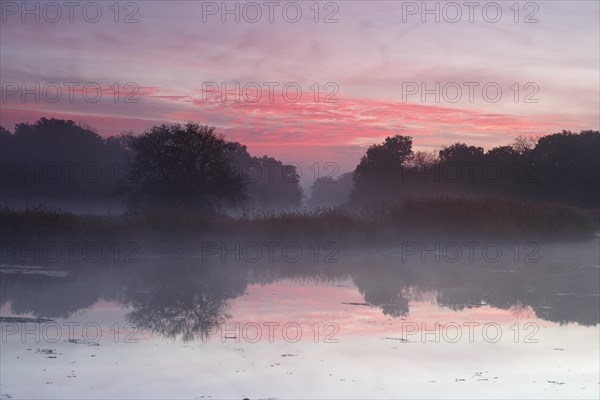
568	168
379	173
330	192
502	153
460	152
524	143
271	183
182	166
422	159
4	133
60	163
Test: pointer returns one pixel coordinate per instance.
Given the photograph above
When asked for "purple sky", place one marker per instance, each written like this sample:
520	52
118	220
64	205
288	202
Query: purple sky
372	62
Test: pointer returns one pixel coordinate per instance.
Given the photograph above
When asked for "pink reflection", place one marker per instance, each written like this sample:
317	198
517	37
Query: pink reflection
306	304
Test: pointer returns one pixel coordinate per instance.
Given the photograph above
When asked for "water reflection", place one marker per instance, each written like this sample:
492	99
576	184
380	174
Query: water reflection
182	297
182	300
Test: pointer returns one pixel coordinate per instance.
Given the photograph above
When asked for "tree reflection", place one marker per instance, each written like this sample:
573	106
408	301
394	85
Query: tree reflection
183	301
384	289
181	297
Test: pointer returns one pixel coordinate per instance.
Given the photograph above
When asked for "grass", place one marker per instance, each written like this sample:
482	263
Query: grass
383	224
492	218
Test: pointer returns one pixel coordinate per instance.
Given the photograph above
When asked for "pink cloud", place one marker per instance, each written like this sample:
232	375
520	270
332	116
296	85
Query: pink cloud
302	130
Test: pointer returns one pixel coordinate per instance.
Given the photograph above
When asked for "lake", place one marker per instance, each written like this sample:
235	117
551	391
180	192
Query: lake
413	321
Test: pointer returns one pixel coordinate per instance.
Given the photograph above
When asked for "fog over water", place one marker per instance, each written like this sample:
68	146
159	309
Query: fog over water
521	328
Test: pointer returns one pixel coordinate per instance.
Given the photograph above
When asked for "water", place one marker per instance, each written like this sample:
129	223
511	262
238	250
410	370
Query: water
373	324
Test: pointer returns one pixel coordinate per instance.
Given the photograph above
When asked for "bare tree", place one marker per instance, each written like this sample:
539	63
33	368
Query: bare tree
423	159
524	143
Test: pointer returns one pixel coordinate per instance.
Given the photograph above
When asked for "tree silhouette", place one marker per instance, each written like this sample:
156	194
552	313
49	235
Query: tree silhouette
68	165
59	161
524	143
460	152
182	166
329	192
270	183
569	168
379	173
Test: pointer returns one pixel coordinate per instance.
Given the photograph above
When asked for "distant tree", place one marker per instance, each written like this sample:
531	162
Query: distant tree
58	139
270	183
461	169
524	143
6	143
66	164
4	132
330	192
422	159
460	152
501	165
501	153
568	168
379	173
182	166
59	163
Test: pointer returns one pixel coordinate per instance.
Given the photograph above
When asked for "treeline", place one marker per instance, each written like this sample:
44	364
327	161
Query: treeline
190	166
64	163
562	167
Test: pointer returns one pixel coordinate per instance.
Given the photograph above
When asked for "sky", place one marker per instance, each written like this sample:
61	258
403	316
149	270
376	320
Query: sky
316	82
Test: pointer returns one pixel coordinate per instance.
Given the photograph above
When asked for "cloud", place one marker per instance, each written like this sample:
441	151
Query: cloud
170	53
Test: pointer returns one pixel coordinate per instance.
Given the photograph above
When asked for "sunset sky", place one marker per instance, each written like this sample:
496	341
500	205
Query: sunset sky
370	55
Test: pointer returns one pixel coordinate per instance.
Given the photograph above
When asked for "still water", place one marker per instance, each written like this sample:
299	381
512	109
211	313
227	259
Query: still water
373	323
